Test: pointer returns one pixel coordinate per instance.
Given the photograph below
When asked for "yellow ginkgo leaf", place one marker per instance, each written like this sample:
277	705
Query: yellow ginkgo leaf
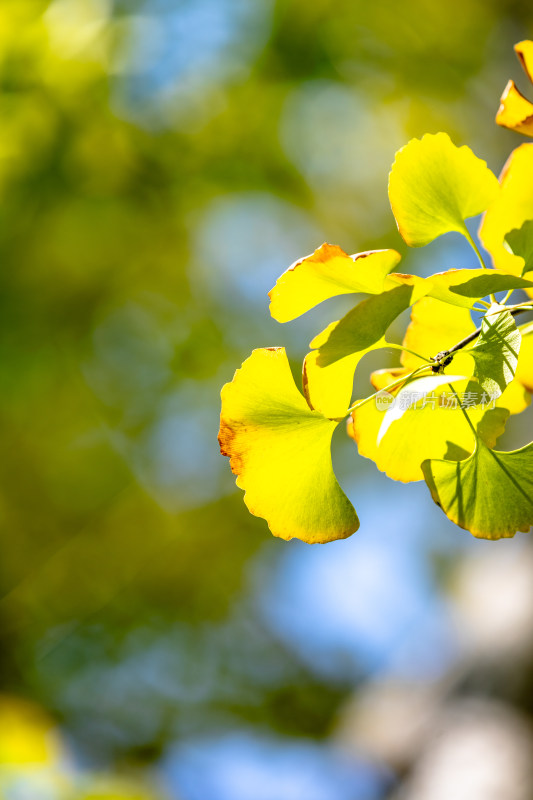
381	378
524	370
280	451
515	111
435	425
516	397
435	326
512	207
328	272
435	186
329	390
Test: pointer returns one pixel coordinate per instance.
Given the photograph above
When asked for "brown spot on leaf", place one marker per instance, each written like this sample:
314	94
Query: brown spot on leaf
227	439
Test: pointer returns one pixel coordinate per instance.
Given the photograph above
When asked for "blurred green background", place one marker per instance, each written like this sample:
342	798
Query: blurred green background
161	163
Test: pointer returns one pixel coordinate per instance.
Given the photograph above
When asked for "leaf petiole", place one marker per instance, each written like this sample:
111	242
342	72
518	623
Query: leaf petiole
390	386
474	247
407	350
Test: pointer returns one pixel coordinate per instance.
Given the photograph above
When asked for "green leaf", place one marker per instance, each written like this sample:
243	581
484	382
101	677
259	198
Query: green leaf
328	272
520	241
434	186
489	494
495	352
329	369
364	327
280	451
460	287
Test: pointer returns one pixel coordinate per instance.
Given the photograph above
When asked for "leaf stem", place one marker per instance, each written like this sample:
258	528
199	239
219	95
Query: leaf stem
475	248
407	350
480	257
513	310
390	386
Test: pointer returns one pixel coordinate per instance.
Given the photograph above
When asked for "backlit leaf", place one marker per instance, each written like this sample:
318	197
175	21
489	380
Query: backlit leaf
329	389
512	207
434	186
328	272
515	111
461	287
520	242
434	327
363	327
280	451
434	429
489	494
524	370
329	370
413	393
495	352
516	398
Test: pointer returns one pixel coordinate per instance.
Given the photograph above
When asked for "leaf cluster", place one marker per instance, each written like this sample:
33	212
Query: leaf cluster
438	416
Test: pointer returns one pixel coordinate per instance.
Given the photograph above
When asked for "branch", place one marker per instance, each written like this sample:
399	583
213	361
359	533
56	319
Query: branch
443	358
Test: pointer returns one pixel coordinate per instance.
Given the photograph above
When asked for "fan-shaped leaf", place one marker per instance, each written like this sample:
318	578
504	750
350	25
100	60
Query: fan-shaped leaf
329	370
515	111
434	186
280	451
512	207
460	287
328	272
489	494
413	393
520	242
436	428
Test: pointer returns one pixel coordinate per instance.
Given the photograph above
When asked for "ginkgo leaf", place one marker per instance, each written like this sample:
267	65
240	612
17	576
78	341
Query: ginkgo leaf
512	207
520	242
524	51
516	397
280	451
434	186
434	428
434	327
413	393
363	327
461	287
524	370
329	389
329	370
381	378
490	493
495	352
515	111
328	272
